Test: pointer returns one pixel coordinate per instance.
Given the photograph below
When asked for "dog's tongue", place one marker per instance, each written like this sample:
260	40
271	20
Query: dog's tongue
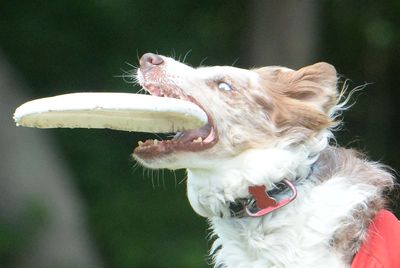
119	111
190	135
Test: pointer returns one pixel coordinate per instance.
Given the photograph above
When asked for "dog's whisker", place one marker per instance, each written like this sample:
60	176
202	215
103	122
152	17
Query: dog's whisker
186	55
131	65
202	61
235	61
137	55
135	167
150	174
163	179
184	179
175	179
158	178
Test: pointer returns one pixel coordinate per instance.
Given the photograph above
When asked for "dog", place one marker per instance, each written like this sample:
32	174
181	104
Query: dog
266	171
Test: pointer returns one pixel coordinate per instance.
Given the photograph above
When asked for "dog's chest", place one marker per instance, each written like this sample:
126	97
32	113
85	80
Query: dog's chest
301	234
281	241
298	235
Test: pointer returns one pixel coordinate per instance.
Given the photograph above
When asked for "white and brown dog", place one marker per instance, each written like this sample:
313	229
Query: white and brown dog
267	141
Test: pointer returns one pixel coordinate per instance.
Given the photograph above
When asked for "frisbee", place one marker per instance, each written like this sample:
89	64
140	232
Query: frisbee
118	111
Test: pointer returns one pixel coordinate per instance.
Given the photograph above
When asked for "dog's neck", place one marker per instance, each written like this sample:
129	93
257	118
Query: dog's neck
210	191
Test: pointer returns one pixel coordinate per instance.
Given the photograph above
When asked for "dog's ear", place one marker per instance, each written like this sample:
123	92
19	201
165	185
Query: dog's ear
305	97
314	84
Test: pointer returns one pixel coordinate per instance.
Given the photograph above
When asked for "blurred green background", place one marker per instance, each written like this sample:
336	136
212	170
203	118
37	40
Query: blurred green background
136	218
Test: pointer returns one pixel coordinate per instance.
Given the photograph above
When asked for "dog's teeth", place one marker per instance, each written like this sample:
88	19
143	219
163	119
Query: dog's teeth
155	142
140	143
198	140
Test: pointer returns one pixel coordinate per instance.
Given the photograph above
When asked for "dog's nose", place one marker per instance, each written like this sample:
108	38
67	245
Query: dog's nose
149	60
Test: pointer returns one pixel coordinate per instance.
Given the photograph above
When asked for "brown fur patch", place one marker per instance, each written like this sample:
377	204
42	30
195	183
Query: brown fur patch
300	98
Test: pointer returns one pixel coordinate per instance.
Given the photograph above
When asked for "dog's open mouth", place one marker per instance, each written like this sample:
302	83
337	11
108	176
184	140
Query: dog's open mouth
177	112
190	140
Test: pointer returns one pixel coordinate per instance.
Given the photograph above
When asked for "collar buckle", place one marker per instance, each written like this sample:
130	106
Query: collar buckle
264	202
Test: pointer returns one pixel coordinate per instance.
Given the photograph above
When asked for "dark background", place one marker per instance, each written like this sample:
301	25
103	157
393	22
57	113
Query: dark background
136	218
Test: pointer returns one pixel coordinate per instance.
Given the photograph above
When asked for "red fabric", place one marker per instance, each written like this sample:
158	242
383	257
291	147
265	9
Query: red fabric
382	248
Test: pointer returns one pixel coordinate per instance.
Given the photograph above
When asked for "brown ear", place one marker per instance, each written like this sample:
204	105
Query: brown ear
314	84
302	98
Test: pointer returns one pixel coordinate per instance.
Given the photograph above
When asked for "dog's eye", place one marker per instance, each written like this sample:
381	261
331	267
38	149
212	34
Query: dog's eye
224	86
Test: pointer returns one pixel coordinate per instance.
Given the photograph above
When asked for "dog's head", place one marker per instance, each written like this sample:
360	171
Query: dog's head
247	109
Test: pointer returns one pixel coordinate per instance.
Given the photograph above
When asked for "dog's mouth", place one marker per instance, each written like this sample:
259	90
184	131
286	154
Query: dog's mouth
190	140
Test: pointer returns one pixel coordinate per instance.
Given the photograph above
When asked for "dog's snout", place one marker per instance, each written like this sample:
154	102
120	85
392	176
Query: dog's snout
149	60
